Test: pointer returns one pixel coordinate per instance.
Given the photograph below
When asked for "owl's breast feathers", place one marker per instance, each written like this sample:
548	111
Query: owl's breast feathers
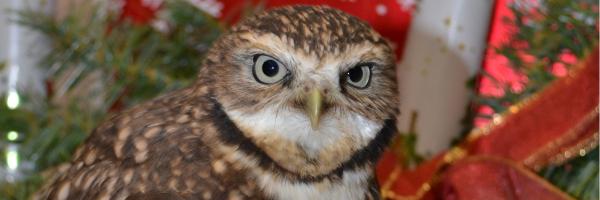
181	145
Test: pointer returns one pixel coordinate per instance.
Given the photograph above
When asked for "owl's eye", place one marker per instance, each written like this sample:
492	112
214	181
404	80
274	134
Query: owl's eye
359	76
267	70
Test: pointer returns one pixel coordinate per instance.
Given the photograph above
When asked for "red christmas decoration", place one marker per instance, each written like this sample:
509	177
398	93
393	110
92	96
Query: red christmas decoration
138	11
548	128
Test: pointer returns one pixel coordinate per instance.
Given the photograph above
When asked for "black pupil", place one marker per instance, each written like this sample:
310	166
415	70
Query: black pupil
355	74
270	68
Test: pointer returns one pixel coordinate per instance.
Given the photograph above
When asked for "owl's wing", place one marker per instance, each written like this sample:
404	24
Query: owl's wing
100	181
154	195
155	148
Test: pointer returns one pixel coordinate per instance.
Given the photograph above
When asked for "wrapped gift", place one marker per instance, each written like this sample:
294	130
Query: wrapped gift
499	161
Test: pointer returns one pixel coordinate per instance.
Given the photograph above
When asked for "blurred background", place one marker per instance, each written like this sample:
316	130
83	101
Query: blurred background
510	79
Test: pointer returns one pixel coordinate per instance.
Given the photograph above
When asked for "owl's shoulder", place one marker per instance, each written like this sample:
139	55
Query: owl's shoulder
161	146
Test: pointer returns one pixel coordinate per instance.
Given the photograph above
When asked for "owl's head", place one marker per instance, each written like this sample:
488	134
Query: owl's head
311	87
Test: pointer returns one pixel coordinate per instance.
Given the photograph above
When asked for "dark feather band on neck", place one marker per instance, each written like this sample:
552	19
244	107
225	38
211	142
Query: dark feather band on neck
230	134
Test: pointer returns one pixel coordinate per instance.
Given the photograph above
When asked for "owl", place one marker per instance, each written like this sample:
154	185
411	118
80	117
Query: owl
294	103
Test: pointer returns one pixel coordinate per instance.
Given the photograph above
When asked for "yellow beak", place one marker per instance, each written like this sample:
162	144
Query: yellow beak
313	107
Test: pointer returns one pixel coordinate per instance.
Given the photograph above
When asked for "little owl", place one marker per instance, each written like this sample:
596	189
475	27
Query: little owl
294	103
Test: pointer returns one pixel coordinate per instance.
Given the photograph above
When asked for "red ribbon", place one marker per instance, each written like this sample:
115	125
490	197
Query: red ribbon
498	162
